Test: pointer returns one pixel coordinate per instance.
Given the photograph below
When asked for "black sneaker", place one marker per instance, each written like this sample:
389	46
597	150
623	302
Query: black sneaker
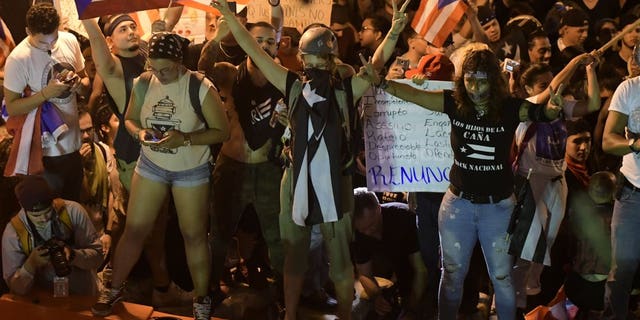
107	298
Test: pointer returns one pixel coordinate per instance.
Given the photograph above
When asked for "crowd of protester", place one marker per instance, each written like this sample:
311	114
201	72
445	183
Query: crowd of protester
253	141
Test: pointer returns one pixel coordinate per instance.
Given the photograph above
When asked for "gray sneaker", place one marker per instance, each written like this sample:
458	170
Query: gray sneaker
107	298
202	308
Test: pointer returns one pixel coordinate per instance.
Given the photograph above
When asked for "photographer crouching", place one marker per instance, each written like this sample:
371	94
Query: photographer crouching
50	243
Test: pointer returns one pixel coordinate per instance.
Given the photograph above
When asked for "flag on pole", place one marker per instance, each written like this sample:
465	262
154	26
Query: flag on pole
435	19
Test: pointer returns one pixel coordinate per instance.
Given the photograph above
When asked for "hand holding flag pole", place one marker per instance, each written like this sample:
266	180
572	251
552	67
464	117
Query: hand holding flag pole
599	52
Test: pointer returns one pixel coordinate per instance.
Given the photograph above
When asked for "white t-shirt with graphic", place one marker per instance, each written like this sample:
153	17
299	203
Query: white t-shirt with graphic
34	67
168	107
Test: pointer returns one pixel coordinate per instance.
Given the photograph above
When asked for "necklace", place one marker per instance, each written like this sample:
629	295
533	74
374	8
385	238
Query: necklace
223	51
480	111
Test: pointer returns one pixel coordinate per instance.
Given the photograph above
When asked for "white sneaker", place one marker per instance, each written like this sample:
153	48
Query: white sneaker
202	308
175	296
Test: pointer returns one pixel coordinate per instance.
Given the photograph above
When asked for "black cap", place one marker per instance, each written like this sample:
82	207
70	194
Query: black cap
485	14
574	18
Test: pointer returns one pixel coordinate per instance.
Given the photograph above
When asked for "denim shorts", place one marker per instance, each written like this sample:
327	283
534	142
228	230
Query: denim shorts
186	178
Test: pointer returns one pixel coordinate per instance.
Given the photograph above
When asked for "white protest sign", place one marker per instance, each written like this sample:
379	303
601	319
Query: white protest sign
297	14
407	147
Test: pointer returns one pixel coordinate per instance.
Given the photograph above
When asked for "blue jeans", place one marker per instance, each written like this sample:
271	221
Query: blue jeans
461	225
625	253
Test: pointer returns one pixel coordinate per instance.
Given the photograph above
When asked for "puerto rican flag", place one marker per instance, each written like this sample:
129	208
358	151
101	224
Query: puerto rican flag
435	19
95	8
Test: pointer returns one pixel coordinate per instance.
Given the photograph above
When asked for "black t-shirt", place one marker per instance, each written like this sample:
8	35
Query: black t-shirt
255	106
481	148
399	241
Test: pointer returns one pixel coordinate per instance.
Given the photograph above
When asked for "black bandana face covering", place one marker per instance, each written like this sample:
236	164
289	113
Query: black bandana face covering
317	76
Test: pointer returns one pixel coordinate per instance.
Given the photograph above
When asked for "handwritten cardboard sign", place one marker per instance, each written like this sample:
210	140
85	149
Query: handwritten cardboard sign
297	14
407	147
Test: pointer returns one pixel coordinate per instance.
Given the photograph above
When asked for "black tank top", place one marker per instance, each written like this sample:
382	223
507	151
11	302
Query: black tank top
127	148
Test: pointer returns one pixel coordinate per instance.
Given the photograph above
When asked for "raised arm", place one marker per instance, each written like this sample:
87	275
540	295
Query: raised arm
172	16
277	20
384	50
275	73
592	104
476	28
207	54
563	77
105	62
432	100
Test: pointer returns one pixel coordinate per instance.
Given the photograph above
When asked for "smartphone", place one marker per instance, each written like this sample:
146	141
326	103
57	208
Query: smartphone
404	63
151	139
510	65
71	80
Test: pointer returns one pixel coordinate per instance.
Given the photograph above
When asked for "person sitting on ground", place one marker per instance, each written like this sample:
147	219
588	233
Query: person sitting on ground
27	241
386	244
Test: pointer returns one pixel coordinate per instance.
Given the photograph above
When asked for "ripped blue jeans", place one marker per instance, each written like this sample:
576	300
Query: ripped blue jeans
461	224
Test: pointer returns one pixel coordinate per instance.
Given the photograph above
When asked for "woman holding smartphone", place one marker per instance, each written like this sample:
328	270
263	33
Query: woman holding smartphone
174	158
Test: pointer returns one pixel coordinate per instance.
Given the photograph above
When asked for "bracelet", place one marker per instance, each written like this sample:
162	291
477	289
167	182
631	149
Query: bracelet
42	93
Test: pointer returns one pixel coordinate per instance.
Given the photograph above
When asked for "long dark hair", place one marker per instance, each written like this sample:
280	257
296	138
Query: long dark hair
486	61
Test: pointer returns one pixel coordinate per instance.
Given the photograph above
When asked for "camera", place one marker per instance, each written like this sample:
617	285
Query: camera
511	65
55	248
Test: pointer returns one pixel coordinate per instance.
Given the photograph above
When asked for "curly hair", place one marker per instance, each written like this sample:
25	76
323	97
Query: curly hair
481	60
531	74
42	18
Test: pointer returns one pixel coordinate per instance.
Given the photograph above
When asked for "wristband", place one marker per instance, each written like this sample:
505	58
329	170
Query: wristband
107	232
